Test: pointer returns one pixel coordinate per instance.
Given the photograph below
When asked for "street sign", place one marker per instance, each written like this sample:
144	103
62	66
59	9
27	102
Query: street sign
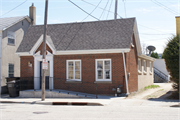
45	64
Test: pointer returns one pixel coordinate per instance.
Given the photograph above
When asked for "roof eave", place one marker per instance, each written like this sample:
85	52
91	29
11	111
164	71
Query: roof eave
26	17
146	57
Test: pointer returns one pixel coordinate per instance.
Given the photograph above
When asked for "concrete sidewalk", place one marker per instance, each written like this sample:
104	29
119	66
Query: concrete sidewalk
60	101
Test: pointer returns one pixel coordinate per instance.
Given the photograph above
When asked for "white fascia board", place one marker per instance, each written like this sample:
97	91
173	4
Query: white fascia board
97	51
137	39
23	53
38	43
146	57
26	17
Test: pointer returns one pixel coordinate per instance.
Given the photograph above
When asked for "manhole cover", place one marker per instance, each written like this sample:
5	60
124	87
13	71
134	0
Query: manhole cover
40	112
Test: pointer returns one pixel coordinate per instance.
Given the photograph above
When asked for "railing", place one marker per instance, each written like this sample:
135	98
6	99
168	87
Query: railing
160	74
83	86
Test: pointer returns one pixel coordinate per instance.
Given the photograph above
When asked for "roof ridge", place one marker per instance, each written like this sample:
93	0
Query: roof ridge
85	22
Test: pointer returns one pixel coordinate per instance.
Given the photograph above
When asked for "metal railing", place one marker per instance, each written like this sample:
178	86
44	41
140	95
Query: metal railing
160	74
84	87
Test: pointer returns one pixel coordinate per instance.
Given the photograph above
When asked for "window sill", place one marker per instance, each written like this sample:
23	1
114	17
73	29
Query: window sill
11	44
71	81
139	72
103	82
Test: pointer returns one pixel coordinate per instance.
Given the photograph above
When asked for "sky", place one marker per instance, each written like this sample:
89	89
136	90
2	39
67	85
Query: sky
155	18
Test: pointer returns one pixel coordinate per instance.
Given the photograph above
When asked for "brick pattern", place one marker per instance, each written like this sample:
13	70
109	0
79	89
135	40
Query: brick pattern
40	48
132	68
88	73
27	71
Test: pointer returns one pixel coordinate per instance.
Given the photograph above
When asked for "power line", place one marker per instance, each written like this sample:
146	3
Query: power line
14	8
125	8
83	10
109	9
153	29
152	34
104	9
100	8
163	6
92	11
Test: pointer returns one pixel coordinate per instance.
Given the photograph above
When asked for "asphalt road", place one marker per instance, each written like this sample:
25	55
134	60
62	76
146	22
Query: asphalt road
108	112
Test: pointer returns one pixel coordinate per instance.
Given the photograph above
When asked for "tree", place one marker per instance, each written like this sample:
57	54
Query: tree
171	56
155	55
144	48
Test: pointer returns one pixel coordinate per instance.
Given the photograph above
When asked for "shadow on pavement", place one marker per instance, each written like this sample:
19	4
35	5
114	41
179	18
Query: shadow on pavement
164	98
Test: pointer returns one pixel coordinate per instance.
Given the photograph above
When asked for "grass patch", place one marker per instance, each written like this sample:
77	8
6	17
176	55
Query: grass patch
151	86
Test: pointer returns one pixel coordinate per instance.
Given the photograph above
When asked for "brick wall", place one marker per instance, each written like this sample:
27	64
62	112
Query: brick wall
88	73
132	67
40	48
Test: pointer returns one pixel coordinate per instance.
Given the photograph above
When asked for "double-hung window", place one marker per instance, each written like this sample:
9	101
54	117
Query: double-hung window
11	70
73	68
103	69
11	38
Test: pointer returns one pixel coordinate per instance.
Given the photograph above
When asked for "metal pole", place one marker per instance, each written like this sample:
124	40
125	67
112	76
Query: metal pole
44	51
115	13
127	90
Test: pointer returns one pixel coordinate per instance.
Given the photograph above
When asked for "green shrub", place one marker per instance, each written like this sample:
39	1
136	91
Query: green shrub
171	56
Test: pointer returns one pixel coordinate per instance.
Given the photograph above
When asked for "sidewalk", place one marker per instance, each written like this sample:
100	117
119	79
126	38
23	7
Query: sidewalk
60	101
137	100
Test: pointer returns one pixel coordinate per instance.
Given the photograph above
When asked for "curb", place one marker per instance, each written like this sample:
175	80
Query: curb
57	103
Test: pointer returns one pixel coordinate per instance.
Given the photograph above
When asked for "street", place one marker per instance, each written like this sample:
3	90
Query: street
116	110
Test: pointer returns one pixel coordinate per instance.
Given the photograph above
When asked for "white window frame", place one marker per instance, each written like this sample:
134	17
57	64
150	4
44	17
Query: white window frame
67	79
13	34
96	74
10	71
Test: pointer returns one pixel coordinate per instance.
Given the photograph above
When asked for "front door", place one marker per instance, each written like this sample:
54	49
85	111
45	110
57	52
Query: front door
46	76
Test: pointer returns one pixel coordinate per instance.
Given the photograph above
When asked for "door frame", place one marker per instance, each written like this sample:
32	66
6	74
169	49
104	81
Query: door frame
37	59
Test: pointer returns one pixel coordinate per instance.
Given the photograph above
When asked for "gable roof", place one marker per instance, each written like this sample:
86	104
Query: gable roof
8	22
109	34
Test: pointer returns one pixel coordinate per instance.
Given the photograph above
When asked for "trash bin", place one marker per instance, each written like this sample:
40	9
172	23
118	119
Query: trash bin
13	88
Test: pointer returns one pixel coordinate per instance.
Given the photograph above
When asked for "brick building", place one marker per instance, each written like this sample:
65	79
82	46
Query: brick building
86	57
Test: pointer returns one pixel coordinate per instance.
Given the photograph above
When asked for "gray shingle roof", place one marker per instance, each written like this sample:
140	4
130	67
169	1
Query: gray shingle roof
7	22
109	34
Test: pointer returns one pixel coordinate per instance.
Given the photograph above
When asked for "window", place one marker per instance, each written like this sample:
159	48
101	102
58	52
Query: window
139	64
73	70
103	70
11	38
145	68
11	70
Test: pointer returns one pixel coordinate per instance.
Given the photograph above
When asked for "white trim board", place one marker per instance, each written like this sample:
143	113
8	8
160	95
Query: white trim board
73	52
39	42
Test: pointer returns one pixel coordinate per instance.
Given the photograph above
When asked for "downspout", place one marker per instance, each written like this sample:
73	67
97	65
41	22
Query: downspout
125	74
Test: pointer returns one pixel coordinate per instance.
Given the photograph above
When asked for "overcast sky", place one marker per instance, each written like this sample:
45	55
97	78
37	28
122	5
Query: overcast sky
155	18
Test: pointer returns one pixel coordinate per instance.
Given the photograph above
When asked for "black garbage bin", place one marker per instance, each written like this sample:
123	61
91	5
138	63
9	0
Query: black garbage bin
13	88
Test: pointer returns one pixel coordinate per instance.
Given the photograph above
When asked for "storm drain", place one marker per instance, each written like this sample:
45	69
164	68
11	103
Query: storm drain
77	103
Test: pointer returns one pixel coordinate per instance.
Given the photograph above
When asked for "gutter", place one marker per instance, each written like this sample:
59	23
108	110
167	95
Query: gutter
127	90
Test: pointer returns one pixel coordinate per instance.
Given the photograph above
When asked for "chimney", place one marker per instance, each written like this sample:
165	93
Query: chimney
32	14
177	25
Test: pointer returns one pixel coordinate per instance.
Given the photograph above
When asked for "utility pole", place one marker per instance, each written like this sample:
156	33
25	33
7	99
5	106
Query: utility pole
115	13
44	51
